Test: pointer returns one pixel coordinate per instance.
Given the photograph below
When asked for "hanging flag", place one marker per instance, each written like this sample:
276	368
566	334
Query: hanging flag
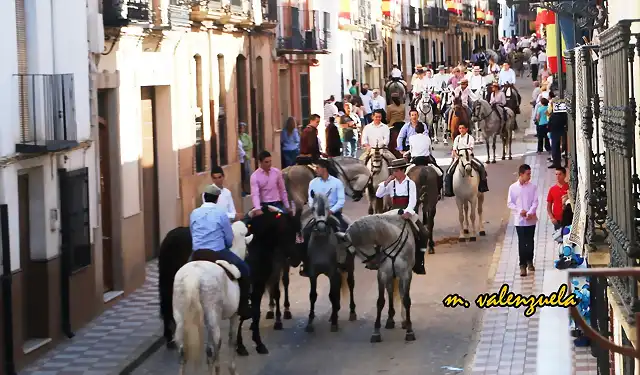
480	15
386	8
459	7
451	6
344	16
552	47
490	18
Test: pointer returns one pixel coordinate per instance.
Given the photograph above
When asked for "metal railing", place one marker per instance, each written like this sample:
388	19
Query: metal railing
435	17
47	112
302	31
117	11
270	10
409	17
178	14
468	13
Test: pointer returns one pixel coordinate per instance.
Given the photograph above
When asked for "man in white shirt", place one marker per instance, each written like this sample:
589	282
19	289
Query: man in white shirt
440	80
464	141
376	135
465	94
416	75
330	109
396	72
420	152
533	65
475	83
402	191
542	57
377	101
507	75
366	97
225	200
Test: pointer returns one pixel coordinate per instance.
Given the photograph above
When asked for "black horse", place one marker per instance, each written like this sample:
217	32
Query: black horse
273	244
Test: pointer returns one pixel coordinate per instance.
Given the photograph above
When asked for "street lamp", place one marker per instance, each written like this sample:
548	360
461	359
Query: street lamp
585	14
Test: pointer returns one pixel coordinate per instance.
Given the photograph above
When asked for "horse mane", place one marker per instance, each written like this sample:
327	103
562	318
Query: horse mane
239	244
374	229
346	160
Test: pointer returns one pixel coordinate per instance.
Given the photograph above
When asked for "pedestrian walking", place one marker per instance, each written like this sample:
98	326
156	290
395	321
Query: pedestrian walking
334	143
533	64
523	202
542	120
247	147
557	129
555	197
290	143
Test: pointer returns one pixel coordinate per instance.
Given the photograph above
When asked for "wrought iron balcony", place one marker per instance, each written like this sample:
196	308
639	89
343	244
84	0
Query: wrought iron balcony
410	18
302	31
435	17
269	12
118	13
468	13
47	113
222	12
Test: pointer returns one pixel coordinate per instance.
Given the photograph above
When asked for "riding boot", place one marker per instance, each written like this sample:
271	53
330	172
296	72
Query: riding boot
483	186
244	310
448	185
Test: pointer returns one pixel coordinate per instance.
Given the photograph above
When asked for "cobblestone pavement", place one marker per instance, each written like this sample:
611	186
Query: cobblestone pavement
508	340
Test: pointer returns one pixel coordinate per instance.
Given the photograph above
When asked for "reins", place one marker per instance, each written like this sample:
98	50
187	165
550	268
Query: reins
341	170
395	247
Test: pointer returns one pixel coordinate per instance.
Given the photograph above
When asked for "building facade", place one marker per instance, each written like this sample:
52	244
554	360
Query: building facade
49	172
508	21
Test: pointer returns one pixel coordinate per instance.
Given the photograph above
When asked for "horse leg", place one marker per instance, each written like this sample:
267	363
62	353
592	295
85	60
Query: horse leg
488	152
372	199
494	148
256	297
404	287
480	218
461	236
215	341
334	297
472	217
504	146
431	223
391	324
376	337
351	282
233	323
285	285
313	296
272	304
277	325
510	141
466	218
165	286
240	348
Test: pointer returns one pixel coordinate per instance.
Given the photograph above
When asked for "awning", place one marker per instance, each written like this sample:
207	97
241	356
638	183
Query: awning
372	64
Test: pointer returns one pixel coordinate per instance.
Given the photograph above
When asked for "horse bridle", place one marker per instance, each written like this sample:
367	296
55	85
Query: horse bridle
463	165
361	192
390	252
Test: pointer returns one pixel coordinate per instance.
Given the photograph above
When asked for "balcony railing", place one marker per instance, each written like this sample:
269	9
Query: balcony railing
47	113
435	17
178	14
410	17
122	12
270	11
302	31
468	13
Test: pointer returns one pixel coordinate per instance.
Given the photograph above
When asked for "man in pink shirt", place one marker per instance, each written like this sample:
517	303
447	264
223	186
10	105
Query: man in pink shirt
523	202
267	186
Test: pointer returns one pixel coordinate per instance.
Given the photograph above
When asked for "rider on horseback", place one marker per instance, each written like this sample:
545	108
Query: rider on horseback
420	151
404	198
333	188
464	141
211	232
396	76
464	93
498	101
375	135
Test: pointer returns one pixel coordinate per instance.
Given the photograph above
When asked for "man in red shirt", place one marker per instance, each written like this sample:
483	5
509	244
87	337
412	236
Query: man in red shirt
554	199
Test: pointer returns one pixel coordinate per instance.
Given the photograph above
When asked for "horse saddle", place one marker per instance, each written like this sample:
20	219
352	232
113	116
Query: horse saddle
233	273
425	165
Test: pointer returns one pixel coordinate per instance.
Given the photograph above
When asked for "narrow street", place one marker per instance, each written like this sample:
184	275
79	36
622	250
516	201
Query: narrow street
445	337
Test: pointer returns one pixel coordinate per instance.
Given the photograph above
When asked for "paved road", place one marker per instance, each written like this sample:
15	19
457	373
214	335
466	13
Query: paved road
444	336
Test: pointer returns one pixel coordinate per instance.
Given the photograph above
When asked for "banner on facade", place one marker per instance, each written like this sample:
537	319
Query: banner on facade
344	16
386	8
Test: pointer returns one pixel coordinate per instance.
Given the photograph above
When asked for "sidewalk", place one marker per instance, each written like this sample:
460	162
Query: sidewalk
113	342
508	340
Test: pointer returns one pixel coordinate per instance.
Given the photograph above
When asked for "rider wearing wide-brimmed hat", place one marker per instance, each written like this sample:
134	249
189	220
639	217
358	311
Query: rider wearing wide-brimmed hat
440	79
404	197
498	102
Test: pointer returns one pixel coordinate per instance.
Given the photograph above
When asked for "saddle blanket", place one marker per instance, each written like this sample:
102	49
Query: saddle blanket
429	166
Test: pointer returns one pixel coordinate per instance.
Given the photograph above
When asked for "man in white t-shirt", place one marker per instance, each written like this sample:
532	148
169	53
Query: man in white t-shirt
376	135
366	95
542	57
225	199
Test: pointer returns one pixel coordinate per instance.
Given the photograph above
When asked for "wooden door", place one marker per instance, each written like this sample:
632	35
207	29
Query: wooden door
25	253
105	202
149	172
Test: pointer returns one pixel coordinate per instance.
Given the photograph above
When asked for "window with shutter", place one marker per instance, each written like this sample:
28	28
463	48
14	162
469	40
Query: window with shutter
305	103
75	218
222	117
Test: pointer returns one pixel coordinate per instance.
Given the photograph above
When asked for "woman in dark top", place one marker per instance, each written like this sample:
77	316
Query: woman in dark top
333	139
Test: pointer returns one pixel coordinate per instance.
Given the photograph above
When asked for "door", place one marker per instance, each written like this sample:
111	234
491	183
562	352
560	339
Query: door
25	255
149	172
105	203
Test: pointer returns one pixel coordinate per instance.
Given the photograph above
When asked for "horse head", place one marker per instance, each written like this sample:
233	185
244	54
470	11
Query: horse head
241	239
273	230
321	214
464	159
476	111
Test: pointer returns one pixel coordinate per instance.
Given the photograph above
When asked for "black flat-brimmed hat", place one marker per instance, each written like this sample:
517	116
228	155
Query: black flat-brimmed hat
398	164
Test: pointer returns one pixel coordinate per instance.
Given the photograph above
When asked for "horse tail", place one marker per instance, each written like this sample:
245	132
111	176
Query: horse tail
344	285
193	319
174	253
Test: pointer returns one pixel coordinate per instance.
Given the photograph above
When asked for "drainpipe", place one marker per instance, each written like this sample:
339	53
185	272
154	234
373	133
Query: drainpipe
7	301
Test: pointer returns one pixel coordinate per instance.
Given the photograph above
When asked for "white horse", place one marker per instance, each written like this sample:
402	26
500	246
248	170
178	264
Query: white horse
205	293
468	198
425	115
378	166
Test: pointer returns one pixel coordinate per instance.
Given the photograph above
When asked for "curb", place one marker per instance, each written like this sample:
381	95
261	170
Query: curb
141	354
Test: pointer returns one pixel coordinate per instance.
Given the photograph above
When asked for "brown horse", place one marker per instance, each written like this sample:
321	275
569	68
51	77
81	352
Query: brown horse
457	116
394	131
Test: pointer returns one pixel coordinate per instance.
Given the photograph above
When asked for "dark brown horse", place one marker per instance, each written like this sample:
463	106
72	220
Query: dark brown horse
457	117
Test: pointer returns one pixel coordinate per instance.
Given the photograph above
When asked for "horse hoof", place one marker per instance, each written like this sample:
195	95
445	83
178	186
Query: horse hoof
353	317
287	315
309	329
462	239
503	158
431	251
376	338
242	351
483	233
277	326
466	231
269	315
171	345
334	328
390	324
510	158
494	161
472	239
261	349
410	336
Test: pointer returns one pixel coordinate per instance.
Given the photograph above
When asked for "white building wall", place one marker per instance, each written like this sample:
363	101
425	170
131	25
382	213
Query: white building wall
341	44
57	44
507	23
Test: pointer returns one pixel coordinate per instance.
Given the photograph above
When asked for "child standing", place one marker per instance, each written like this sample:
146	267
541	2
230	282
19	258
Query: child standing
542	121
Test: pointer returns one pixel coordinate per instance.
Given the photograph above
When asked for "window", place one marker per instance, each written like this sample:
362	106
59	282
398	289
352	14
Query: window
200	150
75	219
304	98
399	52
424	51
413	58
222	115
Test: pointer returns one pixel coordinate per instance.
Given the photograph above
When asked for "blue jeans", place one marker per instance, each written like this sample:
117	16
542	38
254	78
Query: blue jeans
289	157
228	256
349	148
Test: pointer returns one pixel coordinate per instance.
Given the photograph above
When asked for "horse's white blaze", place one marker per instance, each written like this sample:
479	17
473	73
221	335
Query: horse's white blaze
465	188
377	165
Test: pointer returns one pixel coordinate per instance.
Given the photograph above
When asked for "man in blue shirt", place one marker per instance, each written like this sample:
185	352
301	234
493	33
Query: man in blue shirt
211	232
334	189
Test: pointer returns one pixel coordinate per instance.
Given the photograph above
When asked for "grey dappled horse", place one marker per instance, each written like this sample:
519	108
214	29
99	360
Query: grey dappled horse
491	125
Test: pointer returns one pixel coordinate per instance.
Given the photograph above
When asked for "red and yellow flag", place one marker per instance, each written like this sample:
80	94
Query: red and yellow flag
552	47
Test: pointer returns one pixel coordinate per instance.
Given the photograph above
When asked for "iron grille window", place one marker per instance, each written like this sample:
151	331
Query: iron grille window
424	51
304	97
222	117
413	59
75	219
236	3
412	17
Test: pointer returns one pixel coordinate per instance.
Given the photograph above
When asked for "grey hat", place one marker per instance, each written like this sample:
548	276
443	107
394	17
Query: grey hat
212	189
440	67
398	164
